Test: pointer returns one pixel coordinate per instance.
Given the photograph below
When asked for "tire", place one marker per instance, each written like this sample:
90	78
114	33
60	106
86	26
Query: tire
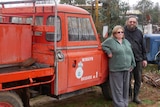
24	95
106	90
158	65
10	99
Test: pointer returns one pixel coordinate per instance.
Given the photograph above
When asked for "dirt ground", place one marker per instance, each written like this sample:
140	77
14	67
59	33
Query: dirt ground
149	95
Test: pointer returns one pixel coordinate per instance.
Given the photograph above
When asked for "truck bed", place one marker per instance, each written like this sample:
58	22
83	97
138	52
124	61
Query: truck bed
15	43
17	74
12	70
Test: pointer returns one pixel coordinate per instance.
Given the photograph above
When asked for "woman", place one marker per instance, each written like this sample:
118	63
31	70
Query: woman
121	62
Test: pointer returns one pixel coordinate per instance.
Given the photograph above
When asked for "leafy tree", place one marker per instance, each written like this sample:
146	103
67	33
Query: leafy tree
124	7
73	1
145	6
113	13
80	1
150	12
66	1
155	16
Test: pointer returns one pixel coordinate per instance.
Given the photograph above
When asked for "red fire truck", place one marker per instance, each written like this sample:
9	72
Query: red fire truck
53	49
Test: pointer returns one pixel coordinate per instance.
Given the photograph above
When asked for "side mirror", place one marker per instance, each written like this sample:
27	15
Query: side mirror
105	31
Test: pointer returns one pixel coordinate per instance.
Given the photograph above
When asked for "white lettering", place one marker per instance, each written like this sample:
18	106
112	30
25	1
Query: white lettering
87	59
86	78
96	74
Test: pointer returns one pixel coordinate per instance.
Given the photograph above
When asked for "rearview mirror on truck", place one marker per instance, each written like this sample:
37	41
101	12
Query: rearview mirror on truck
105	31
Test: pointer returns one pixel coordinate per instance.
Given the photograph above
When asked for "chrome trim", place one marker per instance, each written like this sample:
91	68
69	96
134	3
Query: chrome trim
76	47
60	55
55	52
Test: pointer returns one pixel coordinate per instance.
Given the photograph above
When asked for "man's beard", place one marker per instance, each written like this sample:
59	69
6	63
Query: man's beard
131	28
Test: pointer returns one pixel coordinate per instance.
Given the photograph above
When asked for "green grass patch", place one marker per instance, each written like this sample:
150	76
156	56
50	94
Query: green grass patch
148	102
151	68
132	105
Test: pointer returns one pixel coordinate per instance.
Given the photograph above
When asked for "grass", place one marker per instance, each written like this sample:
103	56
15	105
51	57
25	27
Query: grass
92	99
96	99
148	102
151	68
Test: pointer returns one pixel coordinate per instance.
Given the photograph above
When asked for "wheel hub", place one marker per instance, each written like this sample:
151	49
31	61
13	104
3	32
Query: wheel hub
5	104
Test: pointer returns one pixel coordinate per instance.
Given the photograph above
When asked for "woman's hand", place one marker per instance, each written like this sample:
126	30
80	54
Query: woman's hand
110	55
130	69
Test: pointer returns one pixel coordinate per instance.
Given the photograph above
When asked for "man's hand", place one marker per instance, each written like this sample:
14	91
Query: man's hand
144	63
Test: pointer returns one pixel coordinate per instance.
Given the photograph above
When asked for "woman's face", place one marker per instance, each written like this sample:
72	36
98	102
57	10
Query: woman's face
119	34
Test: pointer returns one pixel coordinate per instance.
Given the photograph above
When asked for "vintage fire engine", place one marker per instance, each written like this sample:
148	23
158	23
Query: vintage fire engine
53	49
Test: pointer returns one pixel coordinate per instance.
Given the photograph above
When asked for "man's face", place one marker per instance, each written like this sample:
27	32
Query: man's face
132	23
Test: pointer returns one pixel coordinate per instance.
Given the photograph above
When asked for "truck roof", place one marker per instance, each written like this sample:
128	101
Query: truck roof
42	9
72	9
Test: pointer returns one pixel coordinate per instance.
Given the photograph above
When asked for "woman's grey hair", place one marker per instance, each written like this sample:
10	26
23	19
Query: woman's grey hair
115	29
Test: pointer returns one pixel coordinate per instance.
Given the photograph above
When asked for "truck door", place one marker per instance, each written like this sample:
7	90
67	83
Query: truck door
84	57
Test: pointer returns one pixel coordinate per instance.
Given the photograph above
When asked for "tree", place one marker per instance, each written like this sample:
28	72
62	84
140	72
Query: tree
66	1
113	13
155	16
80	1
149	11
145	6
73	2
124	7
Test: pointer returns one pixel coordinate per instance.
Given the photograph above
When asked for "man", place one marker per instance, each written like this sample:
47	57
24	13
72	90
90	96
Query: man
135	37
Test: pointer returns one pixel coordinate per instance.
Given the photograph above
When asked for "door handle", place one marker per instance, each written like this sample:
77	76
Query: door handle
74	63
60	56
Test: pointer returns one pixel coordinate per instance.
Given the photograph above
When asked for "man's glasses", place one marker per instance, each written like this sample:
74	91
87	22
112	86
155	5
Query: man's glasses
120	32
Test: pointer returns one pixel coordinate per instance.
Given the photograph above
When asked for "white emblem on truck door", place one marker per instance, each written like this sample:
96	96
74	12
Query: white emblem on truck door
79	70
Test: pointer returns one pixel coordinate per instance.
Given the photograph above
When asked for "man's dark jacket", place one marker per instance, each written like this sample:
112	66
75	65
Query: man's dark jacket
136	39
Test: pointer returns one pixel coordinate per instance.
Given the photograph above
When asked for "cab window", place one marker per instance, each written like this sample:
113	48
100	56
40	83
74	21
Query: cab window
80	29
0	18
38	21
29	20
50	35
16	20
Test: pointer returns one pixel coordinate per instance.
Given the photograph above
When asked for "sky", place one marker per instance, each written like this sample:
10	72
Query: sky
133	2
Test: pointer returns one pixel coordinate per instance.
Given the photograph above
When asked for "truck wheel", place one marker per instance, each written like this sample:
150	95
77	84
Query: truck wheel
158	65
10	99
24	95
106	90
